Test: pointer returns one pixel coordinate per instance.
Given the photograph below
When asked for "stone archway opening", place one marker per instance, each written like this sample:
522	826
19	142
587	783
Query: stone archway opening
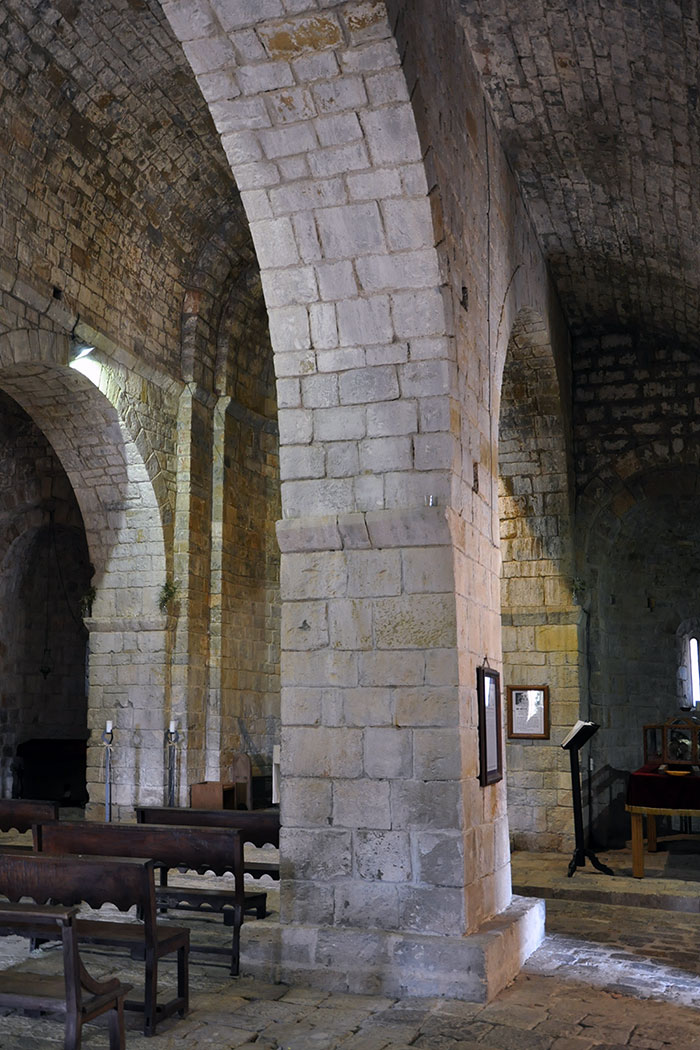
540	620
642	566
101	485
45	580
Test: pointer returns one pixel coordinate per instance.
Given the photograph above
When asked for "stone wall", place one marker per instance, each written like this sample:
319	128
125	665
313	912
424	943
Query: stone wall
636	435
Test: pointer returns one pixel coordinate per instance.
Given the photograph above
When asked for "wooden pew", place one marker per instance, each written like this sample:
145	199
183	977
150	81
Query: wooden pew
76	995
260	827
124	882
23	813
215	849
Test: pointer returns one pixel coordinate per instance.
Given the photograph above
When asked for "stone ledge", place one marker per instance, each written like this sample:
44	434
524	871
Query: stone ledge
473	968
378	529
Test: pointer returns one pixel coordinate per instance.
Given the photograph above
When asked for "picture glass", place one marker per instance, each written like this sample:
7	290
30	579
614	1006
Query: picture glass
489	701
528	711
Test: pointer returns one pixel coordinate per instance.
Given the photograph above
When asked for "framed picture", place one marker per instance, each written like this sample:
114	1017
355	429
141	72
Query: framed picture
488	694
528	711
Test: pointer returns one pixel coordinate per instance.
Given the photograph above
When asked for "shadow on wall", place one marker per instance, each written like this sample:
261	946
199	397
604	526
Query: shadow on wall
610	827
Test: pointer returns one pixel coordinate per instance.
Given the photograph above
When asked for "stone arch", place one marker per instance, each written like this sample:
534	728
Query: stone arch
640	570
124	533
539	618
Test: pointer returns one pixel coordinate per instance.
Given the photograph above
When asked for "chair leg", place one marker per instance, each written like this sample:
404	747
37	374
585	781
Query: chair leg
117	1039
236	941
73	1032
183	978
150	998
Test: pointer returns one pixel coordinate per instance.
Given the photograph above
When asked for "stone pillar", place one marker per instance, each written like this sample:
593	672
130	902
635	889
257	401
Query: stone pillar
126	676
376	760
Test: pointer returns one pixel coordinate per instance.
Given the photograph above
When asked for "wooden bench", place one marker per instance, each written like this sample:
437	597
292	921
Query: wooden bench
76	995
21	814
124	882
260	827
214	849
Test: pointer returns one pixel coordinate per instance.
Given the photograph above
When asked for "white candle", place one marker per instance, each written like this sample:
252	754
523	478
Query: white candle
171	728
108	727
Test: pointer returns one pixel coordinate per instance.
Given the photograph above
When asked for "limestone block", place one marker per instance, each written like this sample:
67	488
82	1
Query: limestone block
364	321
361	803
350	624
304	625
440	858
302	461
297	284
340	424
427	706
371	706
427	570
418	526
412	269
562	637
342	459
373	572
305	195
434	909
421	621
305	902
315	575
436	754
321	752
373	905
408	224
289	393
323	497
392	418
319	667
374	185
308	534
301	706
369	492
388	753
306	802
295	426
352	229
336	280
364	385
315	854
324	335
416	804
353	530
391	668
341	93
382	855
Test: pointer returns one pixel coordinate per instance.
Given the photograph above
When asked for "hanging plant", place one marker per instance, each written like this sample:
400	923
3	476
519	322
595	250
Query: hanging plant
167	592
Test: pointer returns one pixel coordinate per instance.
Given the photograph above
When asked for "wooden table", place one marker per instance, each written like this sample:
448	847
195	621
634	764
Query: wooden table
652	794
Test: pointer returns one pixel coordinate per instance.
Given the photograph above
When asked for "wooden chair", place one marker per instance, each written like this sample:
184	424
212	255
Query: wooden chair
219	794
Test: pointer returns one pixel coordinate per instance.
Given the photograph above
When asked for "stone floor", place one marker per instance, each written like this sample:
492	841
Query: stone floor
619	968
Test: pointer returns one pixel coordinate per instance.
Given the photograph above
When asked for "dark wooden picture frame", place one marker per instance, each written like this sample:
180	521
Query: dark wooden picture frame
488	694
528	712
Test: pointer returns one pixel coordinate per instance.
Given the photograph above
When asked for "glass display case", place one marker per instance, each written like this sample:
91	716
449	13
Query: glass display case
675	742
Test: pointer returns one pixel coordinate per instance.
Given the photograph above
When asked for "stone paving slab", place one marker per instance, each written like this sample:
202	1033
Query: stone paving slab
607	977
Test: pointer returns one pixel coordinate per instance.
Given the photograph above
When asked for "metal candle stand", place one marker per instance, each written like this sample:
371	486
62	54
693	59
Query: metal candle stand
107	739
171	742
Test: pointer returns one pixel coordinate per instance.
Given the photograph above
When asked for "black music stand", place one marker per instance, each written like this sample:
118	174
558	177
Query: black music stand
573	742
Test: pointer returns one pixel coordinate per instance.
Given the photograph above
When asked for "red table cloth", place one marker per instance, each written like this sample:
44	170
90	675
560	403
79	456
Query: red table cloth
648	787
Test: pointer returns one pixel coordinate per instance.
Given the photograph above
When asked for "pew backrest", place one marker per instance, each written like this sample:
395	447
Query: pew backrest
258	826
181	846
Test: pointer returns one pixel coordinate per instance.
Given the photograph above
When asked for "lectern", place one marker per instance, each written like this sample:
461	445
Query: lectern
577	736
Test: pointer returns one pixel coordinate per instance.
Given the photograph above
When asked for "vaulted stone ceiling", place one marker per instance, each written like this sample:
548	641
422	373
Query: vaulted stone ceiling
597	105
106	142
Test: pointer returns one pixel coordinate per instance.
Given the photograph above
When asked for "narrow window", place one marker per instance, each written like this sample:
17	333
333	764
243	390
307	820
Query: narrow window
694	672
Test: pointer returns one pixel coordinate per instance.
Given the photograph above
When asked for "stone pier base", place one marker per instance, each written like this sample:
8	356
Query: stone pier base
473	968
